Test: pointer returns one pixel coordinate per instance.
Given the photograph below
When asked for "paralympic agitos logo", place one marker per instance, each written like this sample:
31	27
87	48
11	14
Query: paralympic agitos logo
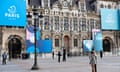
12	12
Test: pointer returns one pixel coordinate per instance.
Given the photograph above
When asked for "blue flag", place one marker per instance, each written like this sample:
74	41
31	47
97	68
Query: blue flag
30	38
98	46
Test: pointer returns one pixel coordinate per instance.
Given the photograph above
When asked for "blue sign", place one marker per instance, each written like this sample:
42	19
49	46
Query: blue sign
13	13
98	46
31	49
87	45
45	46
109	19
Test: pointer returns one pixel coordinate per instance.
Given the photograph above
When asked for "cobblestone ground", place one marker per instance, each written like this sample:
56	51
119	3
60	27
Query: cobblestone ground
73	64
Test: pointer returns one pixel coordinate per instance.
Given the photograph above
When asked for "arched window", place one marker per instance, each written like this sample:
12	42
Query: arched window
47	37
56	42
109	6
75	42
102	6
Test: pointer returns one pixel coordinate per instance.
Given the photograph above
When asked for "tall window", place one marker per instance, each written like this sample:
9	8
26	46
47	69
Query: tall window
61	24
28	2
88	25
66	25
101	5
56	42
29	22
46	24
70	25
83	24
56	19
75	42
109	6
82	7
46	3
97	24
75	24
37	22
46	38
92	24
80	24
41	24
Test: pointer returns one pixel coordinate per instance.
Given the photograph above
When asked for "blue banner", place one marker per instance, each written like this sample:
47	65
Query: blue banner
98	46
110	19
45	46
30	38
87	45
13	13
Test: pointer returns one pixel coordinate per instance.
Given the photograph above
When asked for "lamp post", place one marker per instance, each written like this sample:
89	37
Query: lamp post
70	37
41	25
35	66
35	13
80	42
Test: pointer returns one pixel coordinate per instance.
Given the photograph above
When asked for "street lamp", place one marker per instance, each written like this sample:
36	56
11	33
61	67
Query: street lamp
70	36
35	13
80	42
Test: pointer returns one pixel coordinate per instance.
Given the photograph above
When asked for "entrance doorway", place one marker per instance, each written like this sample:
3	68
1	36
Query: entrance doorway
14	46
106	45
66	44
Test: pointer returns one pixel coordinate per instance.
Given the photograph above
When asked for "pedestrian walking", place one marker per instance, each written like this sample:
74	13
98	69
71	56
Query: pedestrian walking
93	61
96	59
64	54
59	56
4	58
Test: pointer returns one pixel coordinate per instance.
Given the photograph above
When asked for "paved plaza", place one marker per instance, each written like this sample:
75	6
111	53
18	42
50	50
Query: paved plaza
73	64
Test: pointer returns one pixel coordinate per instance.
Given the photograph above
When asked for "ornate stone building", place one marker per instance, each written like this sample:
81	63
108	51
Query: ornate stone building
66	22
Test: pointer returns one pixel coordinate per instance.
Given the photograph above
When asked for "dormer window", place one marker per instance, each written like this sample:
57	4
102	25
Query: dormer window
65	4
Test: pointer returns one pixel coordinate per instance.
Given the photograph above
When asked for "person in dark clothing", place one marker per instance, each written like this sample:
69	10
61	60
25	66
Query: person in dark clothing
101	54
59	56
64	54
4	58
53	55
